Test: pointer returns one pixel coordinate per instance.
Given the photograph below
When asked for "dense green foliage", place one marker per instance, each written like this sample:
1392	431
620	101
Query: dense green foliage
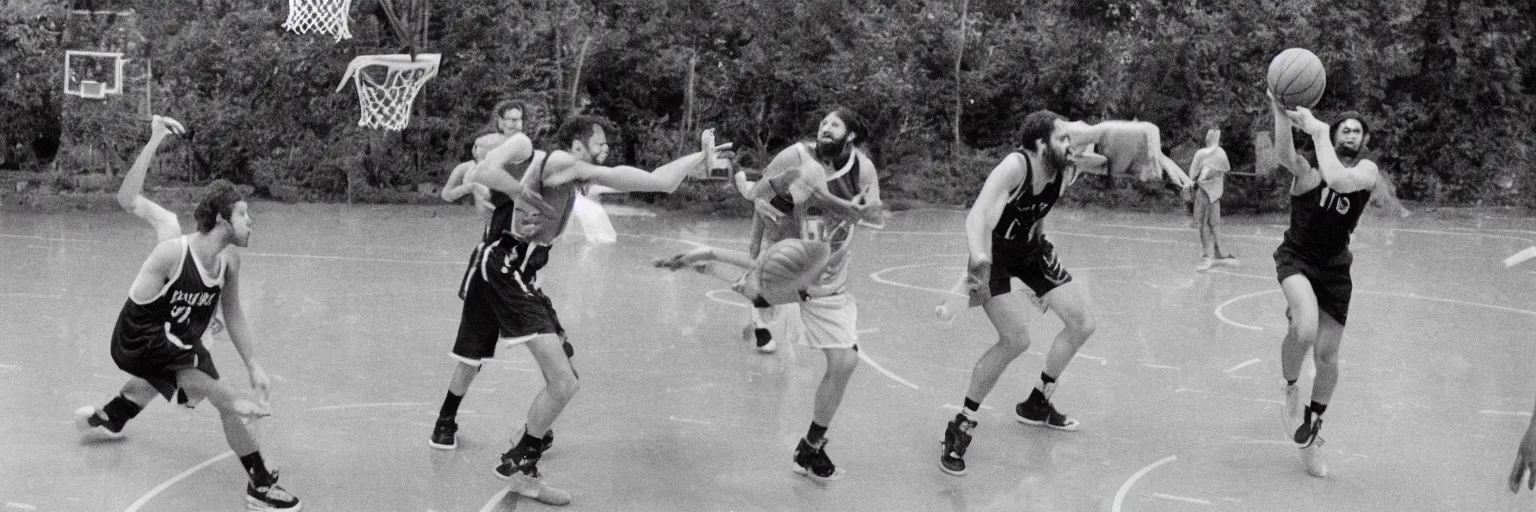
1447	84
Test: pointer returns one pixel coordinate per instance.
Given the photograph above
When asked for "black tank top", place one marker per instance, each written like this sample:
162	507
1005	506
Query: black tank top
502	215
1322	219
180	313
1020	221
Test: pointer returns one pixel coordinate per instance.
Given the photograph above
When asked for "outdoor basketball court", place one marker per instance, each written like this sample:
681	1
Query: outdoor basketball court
354	310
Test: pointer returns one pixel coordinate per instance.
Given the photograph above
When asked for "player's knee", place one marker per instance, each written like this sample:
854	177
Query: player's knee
842	362
1325	356
565	387
1083	324
1016	342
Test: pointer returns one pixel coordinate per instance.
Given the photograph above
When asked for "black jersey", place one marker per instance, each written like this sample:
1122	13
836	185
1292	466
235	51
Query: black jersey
178	314
1020	220
1322	219
503	214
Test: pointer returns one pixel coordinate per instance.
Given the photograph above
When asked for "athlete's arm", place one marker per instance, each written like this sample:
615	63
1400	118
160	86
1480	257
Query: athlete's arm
871	208
1385	195
239	331
664	179
457	186
155	272
984	214
130	196
1285	147
492	173
1343	179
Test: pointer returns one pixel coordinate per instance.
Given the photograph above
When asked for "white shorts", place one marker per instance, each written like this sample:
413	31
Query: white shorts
830	322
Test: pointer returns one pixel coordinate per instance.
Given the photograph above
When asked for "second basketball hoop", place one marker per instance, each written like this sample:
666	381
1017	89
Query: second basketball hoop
387	86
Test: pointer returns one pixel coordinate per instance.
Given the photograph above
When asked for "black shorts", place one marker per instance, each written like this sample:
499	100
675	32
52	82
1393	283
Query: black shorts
1328	273
502	300
1033	262
157	360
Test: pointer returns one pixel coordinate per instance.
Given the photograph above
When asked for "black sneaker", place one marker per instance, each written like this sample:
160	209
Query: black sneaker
269	496
814	463
549	440
957	437
520	467
88	420
445	434
1312	447
765	343
1039	412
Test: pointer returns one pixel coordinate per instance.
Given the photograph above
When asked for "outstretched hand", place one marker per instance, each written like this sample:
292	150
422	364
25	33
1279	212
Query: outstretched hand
711	150
161	125
693	258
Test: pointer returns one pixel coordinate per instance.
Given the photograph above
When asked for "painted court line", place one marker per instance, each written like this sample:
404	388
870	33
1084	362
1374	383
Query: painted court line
956	407
495	498
22	506
1180	498
1126	487
1102	361
1223	317
348	258
168	483
1160	366
876	276
1505	413
686	420
881	369
729	293
357	406
1241	365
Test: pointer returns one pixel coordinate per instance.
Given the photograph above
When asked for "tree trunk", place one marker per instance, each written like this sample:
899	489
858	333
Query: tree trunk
581	59
959	57
693	66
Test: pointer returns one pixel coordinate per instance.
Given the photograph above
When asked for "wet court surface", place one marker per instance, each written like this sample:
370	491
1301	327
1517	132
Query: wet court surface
354	310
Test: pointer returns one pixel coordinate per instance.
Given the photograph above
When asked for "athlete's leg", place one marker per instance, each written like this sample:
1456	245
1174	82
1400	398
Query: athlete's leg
1011	321
1301	334
841	363
1326	356
560	383
1072	305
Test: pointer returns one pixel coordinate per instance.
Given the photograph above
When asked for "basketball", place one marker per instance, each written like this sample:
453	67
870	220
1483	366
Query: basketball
786	268
1296	78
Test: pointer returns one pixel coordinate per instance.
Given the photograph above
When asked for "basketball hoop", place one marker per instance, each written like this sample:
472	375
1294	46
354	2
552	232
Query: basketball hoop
387	103
322	16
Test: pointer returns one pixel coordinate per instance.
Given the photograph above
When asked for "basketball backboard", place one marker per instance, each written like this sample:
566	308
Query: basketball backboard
93	75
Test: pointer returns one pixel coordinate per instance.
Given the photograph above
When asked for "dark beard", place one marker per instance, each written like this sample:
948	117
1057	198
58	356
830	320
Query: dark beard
1056	161
830	150
1346	152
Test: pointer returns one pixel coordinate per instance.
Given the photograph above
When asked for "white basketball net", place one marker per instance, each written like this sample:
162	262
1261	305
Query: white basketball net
387	104
322	16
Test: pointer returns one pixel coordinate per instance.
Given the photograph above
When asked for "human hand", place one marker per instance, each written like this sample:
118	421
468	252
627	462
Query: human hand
159	126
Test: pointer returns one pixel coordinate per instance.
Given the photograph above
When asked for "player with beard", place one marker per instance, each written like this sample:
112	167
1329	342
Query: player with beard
1005	237
503	302
158	338
1313	261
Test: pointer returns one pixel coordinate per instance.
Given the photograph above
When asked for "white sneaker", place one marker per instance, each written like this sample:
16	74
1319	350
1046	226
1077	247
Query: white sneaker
1229	261
530	486
90	432
1312	448
1291	415
1205	265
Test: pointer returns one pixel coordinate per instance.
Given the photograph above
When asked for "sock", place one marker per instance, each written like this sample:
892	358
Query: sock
256	469
118	411
971	407
528	444
816	434
450	406
1290	382
1047	385
1316	408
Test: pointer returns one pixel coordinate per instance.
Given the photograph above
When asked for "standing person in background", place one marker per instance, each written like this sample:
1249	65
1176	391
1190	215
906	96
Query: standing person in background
1209	169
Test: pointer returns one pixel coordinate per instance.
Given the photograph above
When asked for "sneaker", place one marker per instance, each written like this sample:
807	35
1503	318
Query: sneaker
92	428
1228	260
1291	415
1205	265
1038	411
957	437
522	475
765	342
270	497
1312	448
813	463
444	434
